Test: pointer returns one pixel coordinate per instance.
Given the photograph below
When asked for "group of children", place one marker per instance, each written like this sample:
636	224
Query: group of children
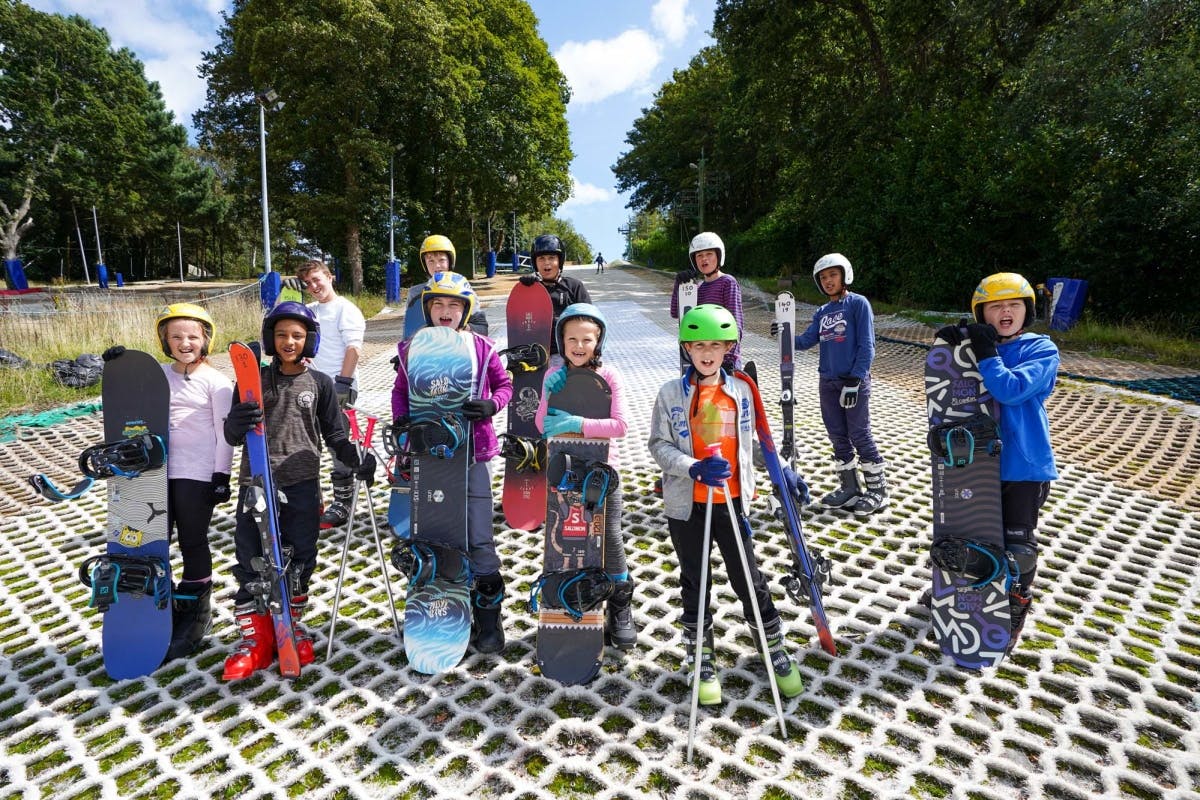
702	435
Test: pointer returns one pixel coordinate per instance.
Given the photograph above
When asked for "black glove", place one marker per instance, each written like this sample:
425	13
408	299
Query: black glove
113	352
346	393
366	470
774	329
983	340
953	334
242	418
849	395
395	362
689	274
528	279
219	488
711	471
475	410
347	453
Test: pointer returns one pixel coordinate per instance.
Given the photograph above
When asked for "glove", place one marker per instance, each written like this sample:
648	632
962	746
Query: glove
219	491
559	422
366	470
796	486
475	410
113	352
395	362
711	471
346	393
684	275
529	279
983	340
242	418
849	396
952	334
774	329
555	381
346	452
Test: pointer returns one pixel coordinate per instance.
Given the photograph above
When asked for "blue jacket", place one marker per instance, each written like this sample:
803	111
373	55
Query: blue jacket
846	331
1021	377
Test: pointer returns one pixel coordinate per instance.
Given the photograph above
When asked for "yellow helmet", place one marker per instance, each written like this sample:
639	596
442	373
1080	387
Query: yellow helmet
185	311
437	244
1002	286
449	284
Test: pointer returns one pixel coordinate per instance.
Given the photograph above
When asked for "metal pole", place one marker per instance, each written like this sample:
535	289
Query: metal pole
262	146
392	208
179	238
96	224
87	278
700	189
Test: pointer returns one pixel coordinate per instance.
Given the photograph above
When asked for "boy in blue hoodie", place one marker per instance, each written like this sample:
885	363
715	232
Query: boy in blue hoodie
1019	370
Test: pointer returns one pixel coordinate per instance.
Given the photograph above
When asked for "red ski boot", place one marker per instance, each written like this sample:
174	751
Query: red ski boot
304	642
256	650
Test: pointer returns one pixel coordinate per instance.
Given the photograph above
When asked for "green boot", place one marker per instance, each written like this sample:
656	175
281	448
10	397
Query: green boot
787	674
710	686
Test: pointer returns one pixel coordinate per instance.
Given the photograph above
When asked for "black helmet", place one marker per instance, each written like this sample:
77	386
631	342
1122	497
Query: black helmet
548	244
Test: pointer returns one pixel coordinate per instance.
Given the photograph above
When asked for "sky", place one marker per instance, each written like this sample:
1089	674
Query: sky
614	53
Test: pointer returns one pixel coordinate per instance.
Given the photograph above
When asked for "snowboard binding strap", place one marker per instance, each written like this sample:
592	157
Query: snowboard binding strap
46	488
528	452
575	591
526	357
956	442
127	458
440	438
599	482
422	561
979	562
111	575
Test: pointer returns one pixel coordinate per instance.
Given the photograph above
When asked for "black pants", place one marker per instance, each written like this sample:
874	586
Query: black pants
688	536
299	524
189	515
1021	502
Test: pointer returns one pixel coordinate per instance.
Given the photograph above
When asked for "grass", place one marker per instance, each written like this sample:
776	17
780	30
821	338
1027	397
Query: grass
91	323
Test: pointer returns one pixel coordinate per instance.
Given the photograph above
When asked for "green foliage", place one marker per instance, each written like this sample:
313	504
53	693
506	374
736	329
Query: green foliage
577	247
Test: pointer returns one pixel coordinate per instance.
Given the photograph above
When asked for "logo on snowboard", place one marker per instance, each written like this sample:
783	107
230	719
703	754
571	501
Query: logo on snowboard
130	537
438	608
439	386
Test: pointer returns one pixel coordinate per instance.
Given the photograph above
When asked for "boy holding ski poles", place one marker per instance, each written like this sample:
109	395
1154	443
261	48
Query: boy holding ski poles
710	408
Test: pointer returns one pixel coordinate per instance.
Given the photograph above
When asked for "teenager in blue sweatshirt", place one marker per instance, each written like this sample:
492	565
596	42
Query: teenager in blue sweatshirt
1019	370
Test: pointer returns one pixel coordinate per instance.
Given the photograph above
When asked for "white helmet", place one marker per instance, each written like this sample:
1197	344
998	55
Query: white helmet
834	260
707	241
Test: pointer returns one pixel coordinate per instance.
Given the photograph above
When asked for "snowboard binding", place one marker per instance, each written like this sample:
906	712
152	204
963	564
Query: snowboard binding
956	442
422	560
575	591
978	562
592	481
127	458
109	576
441	437
526	357
528	453
46	488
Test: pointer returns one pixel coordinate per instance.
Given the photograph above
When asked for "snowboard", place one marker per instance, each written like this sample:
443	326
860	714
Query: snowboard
399	471
437	615
131	582
971	571
687	296
414	313
272	594
530	315
810	571
785	317
570	637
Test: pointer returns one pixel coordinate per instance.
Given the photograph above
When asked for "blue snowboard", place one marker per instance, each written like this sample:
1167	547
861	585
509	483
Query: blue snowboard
137	626
399	504
437	614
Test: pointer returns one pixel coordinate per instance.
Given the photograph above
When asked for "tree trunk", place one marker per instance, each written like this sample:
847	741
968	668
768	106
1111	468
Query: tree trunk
354	256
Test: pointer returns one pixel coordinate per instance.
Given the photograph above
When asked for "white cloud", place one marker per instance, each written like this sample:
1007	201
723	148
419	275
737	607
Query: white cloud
670	18
585	194
601	68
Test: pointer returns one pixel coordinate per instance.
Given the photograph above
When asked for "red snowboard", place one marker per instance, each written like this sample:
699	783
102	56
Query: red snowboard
530	317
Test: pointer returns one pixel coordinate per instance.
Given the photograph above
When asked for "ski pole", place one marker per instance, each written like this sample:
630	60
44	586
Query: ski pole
701	615
758	620
365	446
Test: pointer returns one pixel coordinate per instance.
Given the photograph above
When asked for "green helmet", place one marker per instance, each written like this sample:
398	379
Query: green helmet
708	322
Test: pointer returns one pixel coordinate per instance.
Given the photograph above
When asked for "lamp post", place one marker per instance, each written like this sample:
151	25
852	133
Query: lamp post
700	187
265	98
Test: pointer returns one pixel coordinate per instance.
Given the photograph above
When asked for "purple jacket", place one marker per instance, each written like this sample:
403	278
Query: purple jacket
492	383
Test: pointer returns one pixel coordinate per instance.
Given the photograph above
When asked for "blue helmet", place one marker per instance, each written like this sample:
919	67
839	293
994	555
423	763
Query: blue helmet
581	311
291	309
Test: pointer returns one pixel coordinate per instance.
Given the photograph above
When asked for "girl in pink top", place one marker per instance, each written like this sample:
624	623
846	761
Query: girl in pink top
579	334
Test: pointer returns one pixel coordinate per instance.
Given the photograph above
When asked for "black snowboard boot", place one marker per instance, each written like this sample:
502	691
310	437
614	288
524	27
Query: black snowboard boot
488	630
619	630
191	618
851	488
875	496
338	512
1018	610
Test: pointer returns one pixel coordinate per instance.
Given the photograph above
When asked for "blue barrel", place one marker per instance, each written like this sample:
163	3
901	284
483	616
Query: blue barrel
391	273
14	274
102	276
1069	295
516	261
490	262
120	279
269	287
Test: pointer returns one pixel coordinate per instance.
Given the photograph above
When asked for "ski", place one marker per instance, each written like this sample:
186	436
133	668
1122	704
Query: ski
271	591
810	572
687	295
785	317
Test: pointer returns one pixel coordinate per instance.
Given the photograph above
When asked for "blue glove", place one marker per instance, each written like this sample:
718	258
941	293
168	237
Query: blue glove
796	486
555	381
557	422
712	471
849	396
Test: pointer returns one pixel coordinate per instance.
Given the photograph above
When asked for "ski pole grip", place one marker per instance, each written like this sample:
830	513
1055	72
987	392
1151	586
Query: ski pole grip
352	417
369	433
713	449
